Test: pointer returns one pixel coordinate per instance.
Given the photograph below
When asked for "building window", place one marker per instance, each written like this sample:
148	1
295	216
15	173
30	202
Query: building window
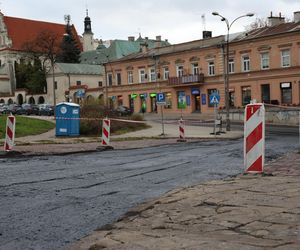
166	73
78	83
231	65
285	58
265	60
142	75
130	77
55	85
211	68
152	75
195	69
265	93
179	70
209	93
119	79
109	79
100	84
286	92
246	95
245	63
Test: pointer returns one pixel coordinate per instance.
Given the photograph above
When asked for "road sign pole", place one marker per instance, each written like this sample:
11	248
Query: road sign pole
215	123
162	120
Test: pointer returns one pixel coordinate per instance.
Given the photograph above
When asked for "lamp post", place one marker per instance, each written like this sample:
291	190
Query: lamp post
226	66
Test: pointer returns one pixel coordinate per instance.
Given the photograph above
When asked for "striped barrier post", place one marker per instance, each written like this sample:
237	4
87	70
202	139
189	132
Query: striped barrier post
254	138
105	132
181	131
10	133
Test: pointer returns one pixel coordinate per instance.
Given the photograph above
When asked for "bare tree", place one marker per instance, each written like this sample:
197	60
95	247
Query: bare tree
45	47
257	23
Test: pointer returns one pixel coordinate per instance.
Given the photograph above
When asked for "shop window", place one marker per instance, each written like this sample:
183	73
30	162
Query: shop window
181	100
246	95
286	92
168	100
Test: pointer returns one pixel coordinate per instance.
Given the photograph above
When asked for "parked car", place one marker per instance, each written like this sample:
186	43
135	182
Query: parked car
46	110
123	111
12	108
27	109
3	108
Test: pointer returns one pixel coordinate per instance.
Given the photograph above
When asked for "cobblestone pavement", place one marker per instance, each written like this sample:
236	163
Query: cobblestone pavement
244	212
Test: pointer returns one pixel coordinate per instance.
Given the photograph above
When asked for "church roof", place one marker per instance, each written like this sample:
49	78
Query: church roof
80	69
22	30
117	50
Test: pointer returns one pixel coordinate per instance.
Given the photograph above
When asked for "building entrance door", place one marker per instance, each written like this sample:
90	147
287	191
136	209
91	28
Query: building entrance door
153	104
197	101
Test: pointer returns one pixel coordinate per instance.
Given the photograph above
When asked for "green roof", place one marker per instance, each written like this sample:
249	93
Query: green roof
80	69
117	50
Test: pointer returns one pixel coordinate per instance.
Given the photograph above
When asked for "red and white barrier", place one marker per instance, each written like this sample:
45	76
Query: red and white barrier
105	132
181	131
10	133
254	138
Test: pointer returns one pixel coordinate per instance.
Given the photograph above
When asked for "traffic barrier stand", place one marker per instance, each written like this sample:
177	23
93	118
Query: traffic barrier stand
10	133
105	134
181	131
254	138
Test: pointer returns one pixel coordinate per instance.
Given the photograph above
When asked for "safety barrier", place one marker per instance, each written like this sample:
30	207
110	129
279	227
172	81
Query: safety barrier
10	133
181	131
254	138
105	132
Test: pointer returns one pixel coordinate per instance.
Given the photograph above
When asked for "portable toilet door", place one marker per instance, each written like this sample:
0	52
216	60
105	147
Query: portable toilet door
67	119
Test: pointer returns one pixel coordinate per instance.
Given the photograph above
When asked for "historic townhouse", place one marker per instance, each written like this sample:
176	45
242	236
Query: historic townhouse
264	65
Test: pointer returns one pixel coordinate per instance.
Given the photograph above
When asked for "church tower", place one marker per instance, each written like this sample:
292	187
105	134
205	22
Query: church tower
88	35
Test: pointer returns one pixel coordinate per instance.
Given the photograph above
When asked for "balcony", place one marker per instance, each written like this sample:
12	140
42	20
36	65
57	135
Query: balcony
187	79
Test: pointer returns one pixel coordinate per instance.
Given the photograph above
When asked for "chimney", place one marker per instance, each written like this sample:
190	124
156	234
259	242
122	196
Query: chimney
158	38
143	47
275	20
297	16
206	34
131	38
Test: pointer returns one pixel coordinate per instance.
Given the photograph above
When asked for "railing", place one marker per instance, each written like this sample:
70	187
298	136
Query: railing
186	79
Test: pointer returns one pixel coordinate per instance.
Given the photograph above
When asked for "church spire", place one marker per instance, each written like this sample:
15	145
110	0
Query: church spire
87	23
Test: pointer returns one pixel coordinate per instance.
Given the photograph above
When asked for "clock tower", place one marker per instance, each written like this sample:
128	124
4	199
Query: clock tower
88	35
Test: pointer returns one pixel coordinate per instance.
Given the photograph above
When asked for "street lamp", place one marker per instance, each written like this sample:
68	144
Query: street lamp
226	68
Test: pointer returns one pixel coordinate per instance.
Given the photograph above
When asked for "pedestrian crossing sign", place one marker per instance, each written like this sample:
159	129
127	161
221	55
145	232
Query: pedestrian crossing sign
214	98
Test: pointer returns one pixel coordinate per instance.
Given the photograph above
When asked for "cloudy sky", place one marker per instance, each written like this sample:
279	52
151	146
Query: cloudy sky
175	20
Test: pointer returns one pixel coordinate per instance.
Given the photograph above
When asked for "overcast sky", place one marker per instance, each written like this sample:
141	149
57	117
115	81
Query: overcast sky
175	20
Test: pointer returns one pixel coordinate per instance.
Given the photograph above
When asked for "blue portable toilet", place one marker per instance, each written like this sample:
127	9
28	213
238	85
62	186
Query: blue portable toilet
67	116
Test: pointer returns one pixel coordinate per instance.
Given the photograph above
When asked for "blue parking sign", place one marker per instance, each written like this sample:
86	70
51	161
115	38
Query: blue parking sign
161	99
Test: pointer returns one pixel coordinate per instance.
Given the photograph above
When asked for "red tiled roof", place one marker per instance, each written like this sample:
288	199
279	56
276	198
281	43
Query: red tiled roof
21	30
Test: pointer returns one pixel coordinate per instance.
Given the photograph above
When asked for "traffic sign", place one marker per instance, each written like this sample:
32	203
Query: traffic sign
214	98
160	99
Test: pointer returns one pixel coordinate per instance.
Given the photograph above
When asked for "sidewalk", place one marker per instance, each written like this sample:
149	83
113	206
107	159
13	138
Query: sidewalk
245	212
